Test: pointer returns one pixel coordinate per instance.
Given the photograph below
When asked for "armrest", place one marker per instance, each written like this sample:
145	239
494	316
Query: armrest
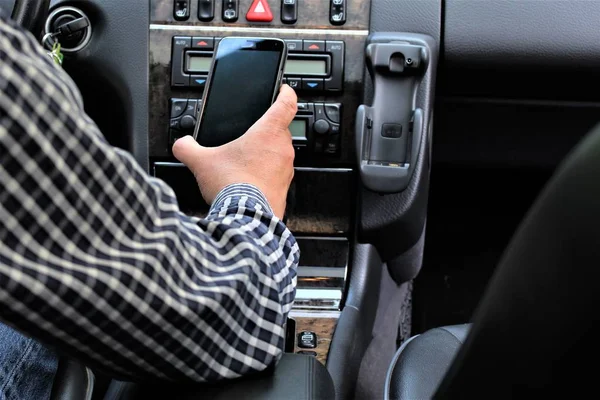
295	377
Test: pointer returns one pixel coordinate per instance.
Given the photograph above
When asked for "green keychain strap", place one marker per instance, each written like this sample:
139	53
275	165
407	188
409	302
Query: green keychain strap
55	52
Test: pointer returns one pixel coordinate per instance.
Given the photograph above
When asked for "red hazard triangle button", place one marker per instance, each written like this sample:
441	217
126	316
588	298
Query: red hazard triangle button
259	12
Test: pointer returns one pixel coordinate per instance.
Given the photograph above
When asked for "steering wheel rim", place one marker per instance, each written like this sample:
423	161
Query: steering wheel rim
31	14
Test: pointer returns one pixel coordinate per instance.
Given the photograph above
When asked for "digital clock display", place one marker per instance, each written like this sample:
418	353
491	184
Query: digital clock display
314	67
305	67
199	64
298	129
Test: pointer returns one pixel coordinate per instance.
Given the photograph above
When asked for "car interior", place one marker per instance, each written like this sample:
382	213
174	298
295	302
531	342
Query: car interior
446	197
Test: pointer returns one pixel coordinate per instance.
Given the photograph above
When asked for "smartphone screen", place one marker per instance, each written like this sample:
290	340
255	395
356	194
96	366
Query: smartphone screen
243	84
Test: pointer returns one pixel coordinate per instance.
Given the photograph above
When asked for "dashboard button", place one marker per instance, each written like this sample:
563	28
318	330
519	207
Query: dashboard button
187	123
230	10
181	10
191	108
319	111
333	112
294	45
318	146
333	144
289	11
336	49
174	123
206	10
321	126
198	81
295	83
312	84
259	12
178	77
178	106
314	45
307	340
174	135
337	12
204	43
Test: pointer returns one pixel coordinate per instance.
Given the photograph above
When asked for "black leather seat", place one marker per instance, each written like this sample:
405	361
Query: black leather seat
535	332
73	381
296	377
421	363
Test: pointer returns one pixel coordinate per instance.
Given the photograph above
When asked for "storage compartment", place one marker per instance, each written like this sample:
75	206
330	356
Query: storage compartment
323	263
320	201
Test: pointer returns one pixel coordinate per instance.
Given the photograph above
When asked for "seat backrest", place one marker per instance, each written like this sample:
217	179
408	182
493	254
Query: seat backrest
535	328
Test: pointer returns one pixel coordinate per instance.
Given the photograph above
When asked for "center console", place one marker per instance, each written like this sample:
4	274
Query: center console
326	42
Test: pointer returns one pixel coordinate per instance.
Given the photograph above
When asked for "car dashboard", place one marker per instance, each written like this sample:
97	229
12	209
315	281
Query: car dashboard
506	80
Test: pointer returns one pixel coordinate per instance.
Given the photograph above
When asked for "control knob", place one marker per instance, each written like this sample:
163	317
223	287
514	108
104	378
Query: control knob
321	126
187	123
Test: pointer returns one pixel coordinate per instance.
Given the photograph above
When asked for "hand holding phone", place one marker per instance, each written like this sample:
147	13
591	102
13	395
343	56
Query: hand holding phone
243	83
263	157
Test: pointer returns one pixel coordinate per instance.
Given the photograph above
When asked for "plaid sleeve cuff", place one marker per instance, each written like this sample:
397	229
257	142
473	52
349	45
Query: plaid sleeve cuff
238	190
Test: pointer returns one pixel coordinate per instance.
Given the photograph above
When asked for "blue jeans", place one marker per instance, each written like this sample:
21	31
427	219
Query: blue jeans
27	368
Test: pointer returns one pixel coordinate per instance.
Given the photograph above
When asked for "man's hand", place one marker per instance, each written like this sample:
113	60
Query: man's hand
263	156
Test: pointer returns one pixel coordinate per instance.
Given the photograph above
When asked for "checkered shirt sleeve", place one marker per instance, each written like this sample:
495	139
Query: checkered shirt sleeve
97	261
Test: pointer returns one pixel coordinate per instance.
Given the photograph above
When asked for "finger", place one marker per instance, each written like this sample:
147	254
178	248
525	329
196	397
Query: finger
283	111
188	151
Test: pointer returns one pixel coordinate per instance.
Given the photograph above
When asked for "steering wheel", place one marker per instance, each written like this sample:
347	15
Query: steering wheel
30	14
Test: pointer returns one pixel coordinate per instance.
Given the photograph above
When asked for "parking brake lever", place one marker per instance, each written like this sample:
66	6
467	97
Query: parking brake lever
388	133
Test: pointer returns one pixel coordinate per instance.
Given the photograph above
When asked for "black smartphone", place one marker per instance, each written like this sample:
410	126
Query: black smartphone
243	82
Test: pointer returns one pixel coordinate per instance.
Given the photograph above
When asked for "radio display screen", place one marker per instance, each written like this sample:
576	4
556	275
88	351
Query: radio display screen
298	129
201	64
305	67
198	63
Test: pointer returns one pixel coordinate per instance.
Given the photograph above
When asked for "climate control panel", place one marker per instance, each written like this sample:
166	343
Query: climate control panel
183	118
319	126
312	65
315	130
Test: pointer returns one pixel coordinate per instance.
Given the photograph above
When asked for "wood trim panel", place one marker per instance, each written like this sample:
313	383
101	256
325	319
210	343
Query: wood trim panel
323	325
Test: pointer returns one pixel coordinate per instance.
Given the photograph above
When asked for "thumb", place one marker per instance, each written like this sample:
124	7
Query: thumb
283	111
189	152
